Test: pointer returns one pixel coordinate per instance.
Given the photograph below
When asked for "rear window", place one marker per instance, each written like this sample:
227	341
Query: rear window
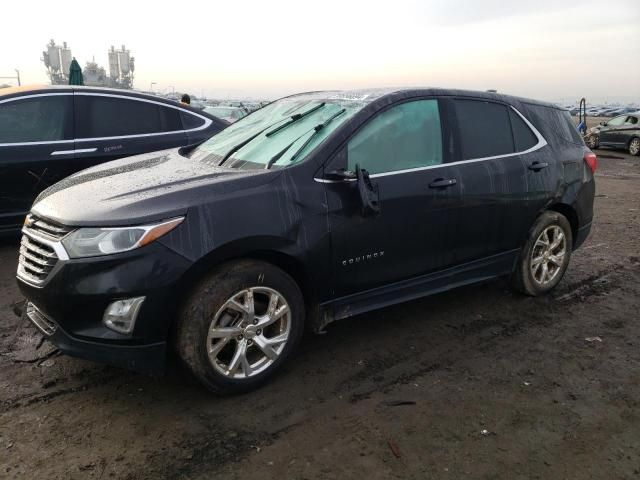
485	129
36	119
112	117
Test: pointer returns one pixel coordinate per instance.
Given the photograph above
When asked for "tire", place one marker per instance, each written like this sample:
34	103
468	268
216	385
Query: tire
247	350
592	141
634	146
530	276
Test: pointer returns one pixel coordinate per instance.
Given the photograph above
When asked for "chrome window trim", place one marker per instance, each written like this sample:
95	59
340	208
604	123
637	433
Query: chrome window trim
72	152
541	143
207	121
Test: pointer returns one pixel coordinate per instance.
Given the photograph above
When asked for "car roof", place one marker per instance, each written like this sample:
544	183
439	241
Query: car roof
40	89
372	94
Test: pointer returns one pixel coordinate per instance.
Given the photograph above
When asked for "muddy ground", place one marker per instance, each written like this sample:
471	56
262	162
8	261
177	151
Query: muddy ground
474	383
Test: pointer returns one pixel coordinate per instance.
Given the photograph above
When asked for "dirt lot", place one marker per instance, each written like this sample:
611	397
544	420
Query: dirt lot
474	383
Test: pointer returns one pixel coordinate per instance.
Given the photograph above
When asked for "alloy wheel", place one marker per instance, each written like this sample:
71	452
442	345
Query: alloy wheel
634	147
592	141
548	255
249	332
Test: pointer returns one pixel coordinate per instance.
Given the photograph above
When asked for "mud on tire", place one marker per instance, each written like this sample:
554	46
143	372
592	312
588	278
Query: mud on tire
549	243
231	328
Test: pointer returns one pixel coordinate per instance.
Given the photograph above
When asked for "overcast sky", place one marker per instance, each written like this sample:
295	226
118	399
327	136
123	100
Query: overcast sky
548	49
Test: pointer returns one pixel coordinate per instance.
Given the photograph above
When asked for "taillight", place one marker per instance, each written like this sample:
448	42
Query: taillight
591	160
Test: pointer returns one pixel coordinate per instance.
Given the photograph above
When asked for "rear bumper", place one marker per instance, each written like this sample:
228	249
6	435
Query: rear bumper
581	236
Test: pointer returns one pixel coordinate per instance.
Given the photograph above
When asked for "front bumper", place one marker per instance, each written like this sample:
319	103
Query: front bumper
77	293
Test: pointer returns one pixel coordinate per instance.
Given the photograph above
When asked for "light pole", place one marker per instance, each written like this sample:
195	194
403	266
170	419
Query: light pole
18	75
173	89
152	84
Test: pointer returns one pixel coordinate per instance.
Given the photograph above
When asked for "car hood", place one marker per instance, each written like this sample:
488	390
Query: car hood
139	189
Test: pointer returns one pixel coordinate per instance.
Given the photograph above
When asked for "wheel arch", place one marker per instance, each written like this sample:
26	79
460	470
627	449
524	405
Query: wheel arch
570	214
272	251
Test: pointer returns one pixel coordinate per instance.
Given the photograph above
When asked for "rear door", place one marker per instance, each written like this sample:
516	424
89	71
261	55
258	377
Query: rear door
111	126
36	146
495	211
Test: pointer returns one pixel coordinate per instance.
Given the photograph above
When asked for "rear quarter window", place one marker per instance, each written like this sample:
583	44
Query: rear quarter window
523	136
190	121
555	123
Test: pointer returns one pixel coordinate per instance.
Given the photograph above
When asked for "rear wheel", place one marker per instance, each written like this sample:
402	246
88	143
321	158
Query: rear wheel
634	146
240	325
545	256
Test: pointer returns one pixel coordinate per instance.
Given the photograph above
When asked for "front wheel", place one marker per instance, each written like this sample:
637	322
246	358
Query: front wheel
634	146
592	141
545	255
240	325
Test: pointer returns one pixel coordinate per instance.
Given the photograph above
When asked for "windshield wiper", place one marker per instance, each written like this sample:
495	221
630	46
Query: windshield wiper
292	119
315	130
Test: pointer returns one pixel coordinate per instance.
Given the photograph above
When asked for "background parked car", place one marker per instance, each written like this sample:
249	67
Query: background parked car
621	132
48	133
229	114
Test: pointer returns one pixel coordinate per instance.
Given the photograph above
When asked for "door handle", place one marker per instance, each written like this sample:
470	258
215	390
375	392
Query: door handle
443	183
73	152
537	166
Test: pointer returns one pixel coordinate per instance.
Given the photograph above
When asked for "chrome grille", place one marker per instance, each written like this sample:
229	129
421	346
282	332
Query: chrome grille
40	320
45	227
36	260
40	249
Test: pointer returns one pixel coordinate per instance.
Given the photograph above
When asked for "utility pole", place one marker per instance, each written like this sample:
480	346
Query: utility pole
18	74
152	84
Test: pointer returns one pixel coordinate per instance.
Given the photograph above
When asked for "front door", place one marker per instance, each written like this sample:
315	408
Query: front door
36	145
401	148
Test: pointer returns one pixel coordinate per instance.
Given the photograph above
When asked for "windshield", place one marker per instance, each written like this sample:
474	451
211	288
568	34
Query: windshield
284	132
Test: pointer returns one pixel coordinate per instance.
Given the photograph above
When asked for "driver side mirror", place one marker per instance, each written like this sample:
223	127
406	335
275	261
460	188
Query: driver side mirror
369	195
604	124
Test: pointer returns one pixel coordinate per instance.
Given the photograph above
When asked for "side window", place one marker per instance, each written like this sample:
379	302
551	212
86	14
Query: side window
402	137
36	119
190	121
523	137
99	117
631	121
485	129
616	122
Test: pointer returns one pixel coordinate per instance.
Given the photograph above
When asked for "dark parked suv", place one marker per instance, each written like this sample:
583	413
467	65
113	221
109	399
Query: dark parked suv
314	208
48	133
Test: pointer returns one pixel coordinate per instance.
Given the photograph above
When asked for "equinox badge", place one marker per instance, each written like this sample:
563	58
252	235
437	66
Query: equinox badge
363	258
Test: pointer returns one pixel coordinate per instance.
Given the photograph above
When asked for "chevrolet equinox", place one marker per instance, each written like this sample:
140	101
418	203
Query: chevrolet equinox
314	208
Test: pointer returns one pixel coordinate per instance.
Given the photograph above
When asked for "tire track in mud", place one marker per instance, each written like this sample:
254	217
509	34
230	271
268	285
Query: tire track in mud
383	373
29	399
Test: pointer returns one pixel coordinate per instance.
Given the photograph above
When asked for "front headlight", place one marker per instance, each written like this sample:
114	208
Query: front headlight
91	242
